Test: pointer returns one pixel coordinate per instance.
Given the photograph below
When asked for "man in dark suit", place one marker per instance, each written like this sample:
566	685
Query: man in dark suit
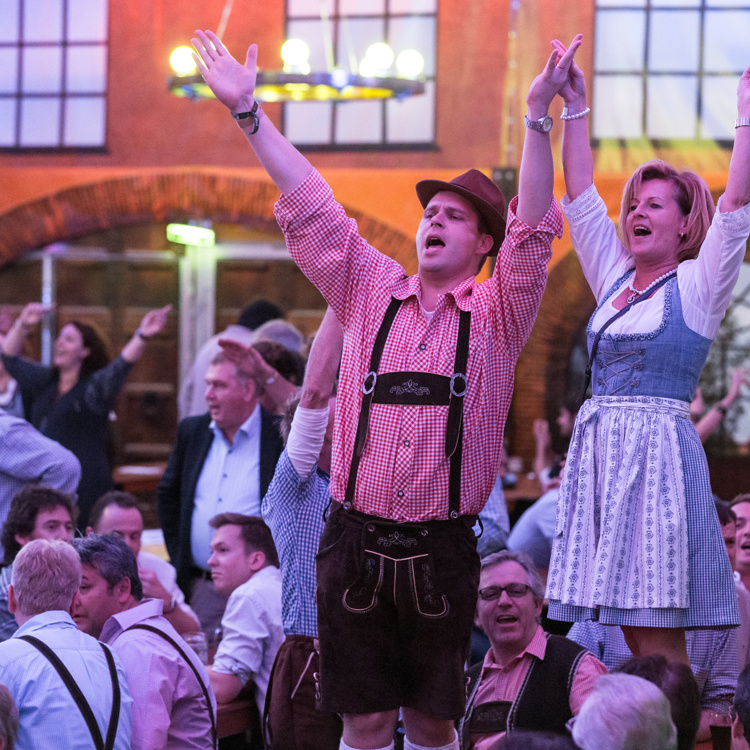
221	462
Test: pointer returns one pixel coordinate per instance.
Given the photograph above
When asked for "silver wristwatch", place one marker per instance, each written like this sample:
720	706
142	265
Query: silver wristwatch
543	124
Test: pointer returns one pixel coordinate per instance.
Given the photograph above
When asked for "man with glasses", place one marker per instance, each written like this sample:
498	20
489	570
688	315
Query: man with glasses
528	679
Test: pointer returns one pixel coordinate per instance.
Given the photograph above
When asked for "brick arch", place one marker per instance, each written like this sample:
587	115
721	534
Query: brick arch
542	369
170	196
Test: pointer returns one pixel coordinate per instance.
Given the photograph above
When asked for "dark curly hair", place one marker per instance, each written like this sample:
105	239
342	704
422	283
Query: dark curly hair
24	509
98	356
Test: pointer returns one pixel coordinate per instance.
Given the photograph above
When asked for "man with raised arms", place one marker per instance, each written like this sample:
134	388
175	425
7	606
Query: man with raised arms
425	386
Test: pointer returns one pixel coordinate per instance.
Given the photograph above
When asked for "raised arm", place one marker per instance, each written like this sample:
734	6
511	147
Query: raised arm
737	193
30	316
151	324
323	364
578	163
233	85
537	176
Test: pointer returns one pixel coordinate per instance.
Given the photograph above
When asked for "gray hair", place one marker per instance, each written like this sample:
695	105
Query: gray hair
525	561
45	577
282	332
625	712
8	718
112	559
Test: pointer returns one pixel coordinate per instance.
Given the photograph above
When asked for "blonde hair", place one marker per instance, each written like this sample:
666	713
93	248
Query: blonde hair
693	198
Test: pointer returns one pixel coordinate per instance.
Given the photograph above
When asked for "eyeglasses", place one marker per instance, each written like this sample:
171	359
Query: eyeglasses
515	591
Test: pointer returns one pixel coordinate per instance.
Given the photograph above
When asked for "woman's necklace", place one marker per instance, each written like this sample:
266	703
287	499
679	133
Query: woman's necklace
637	293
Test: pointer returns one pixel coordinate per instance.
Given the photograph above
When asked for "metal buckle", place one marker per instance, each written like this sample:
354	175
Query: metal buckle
453	380
369	390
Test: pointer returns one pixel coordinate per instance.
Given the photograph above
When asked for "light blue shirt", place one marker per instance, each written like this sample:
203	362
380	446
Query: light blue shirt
534	530
229	482
49	715
495	522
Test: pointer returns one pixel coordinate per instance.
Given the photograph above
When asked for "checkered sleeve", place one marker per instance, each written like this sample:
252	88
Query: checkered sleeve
327	247
521	272
718	691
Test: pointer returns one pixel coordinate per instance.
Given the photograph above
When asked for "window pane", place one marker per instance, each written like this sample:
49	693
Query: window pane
359	122
86	71
620	39
7	122
671	107
414	33
87	20
355	36
42	20
726	3
413	6
719	107
9	26
726	35
305	8
673	41
411	120
84	121
617	106
313	32
42	70
361	7
8	70
40	122
307	123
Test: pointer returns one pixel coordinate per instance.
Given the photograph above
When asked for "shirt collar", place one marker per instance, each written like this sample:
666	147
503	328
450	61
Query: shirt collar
250	426
537	646
411	286
44	619
127	618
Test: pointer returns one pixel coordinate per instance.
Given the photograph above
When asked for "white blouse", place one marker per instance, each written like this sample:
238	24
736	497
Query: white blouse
705	283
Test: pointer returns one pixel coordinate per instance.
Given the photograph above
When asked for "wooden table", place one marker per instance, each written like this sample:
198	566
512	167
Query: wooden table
235	717
135	478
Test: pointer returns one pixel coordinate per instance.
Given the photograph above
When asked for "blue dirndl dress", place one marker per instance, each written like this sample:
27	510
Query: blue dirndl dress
637	540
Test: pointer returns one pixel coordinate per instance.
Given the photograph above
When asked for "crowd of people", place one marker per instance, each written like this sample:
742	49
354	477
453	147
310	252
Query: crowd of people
335	523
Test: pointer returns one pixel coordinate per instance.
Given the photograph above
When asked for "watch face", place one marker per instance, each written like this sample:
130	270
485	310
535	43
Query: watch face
543	124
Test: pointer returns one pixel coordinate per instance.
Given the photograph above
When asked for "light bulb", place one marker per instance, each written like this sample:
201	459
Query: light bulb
295	53
182	61
380	54
410	63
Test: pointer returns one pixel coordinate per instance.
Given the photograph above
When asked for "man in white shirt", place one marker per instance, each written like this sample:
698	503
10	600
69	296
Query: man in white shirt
221	462
245	567
117	513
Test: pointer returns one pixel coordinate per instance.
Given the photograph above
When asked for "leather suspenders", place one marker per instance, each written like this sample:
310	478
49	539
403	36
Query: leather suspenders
181	652
78	697
417	389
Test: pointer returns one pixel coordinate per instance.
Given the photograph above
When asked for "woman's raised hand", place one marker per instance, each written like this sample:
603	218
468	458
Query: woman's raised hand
573	90
153	321
33	313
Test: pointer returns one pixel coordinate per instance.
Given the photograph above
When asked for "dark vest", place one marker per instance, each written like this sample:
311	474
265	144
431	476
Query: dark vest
542	703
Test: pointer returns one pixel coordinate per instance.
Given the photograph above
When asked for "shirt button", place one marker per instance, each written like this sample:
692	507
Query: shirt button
422	347
400	493
407	443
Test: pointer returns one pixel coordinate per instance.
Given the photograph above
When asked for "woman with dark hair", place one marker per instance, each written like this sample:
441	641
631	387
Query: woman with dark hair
637	542
70	401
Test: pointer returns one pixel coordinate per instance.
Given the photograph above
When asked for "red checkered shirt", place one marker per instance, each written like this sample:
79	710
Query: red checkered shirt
403	474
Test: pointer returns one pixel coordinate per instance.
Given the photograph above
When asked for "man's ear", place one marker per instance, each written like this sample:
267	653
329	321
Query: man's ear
12	601
122	589
257	560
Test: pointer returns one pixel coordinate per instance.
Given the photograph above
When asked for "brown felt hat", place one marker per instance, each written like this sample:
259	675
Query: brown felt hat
483	193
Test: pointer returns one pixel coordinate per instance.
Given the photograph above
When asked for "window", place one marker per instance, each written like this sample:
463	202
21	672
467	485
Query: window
668	69
53	74
339	36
